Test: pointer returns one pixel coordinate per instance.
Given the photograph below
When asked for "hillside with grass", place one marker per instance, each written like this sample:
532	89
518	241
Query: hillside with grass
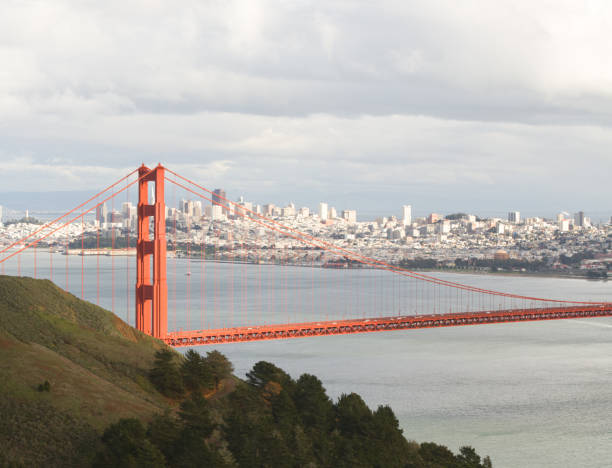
79	387
95	365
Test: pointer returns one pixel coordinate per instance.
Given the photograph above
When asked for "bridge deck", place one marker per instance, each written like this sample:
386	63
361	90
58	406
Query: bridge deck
342	327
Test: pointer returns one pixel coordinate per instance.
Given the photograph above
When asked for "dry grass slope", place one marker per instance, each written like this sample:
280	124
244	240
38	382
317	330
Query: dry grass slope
96	364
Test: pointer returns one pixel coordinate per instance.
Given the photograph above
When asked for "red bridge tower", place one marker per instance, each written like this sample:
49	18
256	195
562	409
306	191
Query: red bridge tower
151	286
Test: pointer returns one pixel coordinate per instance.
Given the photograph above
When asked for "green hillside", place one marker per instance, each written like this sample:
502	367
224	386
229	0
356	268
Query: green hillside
96	366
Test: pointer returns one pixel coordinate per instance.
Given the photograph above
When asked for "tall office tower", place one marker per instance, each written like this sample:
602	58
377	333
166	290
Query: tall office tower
126	209
184	206
407	215
219	197
579	219
323	211
102	214
332	213
197	209
268	209
514	217
1	215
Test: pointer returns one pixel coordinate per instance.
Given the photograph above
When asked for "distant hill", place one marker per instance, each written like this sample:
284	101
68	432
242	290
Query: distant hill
96	366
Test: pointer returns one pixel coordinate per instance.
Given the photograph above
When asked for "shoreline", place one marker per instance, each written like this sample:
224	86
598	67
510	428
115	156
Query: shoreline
544	274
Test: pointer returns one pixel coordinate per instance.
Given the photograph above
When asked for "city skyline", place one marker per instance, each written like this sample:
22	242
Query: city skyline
20	202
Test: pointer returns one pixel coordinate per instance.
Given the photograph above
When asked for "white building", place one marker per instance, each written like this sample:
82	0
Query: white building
332	213
444	227
564	225
288	211
323	211
407	215
350	216
1	215
217	212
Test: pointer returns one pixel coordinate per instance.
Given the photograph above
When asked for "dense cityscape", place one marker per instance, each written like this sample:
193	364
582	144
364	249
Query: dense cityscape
569	244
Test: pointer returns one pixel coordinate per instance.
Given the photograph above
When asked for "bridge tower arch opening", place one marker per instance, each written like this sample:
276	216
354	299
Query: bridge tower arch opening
151	284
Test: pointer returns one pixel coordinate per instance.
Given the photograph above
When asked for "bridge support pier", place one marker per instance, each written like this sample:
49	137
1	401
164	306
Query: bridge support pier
151	285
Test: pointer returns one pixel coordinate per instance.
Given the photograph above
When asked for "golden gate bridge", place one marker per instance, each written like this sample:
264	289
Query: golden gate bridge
419	301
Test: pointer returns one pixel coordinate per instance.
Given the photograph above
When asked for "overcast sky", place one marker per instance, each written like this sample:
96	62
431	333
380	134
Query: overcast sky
479	106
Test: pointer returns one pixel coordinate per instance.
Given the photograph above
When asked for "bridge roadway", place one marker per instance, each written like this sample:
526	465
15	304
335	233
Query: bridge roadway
342	327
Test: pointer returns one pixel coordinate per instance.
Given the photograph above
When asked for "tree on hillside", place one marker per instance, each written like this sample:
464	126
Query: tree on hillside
264	372
437	455
125	445
164	431
165	374
219	366
195	414
196	372
313	404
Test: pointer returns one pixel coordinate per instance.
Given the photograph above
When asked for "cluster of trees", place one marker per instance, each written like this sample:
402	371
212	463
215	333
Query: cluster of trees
492	264
195	373
577	258
269	420
24	220
597	274
508	264
104	242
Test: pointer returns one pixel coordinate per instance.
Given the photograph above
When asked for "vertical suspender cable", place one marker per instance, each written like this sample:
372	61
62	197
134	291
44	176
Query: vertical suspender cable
98	257
82	256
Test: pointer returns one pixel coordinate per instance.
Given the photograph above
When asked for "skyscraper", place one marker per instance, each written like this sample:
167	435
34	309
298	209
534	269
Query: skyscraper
407	215
514	217
323	211
219	197
102	214
1	215
579	219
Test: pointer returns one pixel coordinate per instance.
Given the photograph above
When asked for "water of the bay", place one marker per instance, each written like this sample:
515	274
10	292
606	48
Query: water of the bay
536	394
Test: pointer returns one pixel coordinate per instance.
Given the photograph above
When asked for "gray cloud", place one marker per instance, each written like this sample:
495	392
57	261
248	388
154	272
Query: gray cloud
442	104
